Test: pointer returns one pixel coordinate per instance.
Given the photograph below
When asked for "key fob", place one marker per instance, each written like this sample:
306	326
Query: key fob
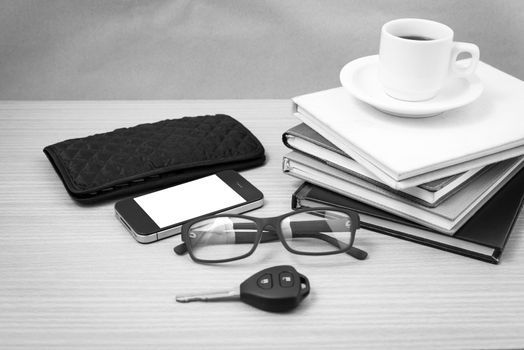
275	289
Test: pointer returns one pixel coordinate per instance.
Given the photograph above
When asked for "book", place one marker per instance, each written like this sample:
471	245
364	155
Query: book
306	140
446	218
482	237
407	152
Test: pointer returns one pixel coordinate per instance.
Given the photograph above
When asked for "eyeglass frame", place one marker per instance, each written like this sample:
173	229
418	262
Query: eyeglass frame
275	223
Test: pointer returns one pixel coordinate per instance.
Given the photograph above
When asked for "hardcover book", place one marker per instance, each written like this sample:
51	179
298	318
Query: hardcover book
446	218
407	152
482	237
306	140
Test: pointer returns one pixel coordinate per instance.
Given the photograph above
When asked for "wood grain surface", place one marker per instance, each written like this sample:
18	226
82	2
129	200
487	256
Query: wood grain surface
72	277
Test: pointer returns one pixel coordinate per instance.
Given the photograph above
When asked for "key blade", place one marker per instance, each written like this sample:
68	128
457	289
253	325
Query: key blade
214	296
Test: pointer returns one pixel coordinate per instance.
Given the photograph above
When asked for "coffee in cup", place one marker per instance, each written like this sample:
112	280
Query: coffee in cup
417	56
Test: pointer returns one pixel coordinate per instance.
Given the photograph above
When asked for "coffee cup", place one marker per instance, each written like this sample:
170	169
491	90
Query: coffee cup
417	56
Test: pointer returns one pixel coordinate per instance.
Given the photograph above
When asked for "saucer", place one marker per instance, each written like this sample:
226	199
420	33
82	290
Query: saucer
360	78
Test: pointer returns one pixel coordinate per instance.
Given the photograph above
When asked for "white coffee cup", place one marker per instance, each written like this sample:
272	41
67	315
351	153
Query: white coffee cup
417	56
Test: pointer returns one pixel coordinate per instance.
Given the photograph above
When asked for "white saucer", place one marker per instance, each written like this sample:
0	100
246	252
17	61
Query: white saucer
360	78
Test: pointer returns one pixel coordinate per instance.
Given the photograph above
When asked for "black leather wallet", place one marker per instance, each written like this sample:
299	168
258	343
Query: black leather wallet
150	156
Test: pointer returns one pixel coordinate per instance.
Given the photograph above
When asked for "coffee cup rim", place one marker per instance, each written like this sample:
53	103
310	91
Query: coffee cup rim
446	33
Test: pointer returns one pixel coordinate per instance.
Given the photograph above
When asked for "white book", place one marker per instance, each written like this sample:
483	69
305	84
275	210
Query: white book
407	152
306	140
446	218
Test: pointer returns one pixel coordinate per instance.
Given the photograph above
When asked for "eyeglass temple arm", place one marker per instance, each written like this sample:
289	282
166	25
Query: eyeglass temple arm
269	235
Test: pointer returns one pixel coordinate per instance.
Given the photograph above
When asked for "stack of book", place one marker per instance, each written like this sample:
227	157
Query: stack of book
451	181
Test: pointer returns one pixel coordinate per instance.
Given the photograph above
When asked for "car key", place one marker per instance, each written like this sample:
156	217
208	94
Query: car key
275	289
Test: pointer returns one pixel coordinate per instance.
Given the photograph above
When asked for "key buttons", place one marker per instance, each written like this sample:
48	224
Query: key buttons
286	279
265	281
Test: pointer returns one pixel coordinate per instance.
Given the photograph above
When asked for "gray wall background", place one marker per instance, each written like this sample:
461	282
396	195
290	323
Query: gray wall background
51	49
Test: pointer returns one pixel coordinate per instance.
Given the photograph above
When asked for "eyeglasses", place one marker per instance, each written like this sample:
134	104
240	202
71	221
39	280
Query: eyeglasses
311	231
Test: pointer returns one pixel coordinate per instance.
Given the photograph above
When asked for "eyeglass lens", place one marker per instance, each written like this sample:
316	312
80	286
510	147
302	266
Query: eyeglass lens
218	238
317	231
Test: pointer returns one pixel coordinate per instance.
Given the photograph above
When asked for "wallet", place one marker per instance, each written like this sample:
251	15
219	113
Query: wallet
149	156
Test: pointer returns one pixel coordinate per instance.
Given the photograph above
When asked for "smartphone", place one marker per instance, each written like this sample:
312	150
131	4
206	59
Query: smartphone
161	214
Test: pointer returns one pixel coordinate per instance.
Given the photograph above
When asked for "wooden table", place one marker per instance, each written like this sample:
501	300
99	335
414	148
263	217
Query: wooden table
72	277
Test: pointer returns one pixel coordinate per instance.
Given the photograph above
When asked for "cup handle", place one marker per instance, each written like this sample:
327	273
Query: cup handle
459	70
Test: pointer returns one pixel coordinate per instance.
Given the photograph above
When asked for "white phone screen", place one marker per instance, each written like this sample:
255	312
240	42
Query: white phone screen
188	200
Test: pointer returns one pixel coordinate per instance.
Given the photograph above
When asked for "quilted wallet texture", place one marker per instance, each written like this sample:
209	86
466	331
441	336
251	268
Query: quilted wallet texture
149	156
